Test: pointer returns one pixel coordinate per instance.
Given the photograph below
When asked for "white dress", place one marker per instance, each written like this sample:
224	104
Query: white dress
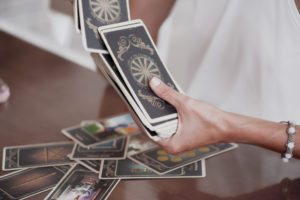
240	55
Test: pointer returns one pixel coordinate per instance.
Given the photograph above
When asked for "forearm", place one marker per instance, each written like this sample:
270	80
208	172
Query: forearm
263	133
152	12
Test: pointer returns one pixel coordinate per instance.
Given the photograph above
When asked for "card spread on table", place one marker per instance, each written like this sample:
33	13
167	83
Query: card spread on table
128	169
37	155
107	150
81	183
97	13
28	182
115	149
161	162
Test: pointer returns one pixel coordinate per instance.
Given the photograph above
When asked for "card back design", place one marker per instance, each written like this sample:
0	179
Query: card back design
96	13
106	11
137	60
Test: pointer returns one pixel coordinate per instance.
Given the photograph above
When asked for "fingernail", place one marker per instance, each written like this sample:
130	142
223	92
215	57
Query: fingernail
155	82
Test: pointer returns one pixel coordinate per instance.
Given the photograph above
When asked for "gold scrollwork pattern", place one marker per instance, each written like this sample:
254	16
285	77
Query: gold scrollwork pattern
154	101
92	27
125	43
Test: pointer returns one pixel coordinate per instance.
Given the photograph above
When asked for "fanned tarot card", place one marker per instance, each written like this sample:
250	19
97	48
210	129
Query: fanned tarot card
159	161
81	183
97	13
113	128
136	58
28	182
37	155
115	149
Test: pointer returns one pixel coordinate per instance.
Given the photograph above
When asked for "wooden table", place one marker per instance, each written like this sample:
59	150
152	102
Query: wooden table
49	93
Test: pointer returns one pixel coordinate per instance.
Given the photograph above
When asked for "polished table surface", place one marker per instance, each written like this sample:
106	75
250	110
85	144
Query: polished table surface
49	93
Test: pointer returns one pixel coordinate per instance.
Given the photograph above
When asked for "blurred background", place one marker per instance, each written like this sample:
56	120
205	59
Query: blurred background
49	25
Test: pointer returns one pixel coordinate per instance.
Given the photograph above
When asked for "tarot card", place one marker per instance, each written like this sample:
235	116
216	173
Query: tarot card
137	60
128	169
161	162
116	149
93	165
150	133
76	16
125	94
92	134
97	13
83	184
28	182
37	155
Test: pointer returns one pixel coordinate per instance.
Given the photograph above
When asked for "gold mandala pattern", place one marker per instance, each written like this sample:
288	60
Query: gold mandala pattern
106	11
143	68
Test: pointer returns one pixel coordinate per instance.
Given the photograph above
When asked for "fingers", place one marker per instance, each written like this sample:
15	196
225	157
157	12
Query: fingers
172	146
166	93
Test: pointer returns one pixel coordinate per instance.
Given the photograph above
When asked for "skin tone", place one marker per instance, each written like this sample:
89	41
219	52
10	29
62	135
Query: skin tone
298	4
215	124
139	9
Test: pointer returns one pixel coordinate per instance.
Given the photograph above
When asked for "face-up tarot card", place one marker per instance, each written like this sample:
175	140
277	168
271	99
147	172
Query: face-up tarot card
82	184
97	13
28	182
137	60
102	131
28	156
128	169
115	149
161	162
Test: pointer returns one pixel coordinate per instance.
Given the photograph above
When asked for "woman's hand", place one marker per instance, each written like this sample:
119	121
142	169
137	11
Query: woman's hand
202	124
199	123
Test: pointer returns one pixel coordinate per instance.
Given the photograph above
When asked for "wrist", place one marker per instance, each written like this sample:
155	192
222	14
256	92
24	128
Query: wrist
227	127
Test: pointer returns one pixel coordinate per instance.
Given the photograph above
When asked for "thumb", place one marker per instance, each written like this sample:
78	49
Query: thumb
166	93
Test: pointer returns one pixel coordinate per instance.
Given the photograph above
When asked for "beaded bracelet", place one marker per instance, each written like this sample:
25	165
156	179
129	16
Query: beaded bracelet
290	144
